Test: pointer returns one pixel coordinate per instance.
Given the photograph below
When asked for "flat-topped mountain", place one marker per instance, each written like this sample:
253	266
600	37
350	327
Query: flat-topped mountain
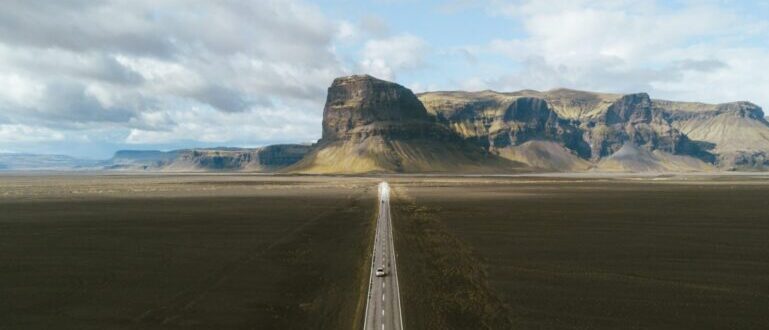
371	125
264	159
361	106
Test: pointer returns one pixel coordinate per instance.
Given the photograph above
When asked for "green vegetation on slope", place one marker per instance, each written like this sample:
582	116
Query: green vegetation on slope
379	155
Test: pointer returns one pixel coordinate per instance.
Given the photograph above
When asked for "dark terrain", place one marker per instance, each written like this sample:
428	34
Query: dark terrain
208	252
585	254
293	252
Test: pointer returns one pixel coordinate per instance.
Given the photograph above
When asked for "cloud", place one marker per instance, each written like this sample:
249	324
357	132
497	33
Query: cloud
205	125
92	75
132	66
631	46
383	58
15	133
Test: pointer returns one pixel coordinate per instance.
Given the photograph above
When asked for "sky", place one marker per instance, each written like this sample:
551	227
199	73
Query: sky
88	77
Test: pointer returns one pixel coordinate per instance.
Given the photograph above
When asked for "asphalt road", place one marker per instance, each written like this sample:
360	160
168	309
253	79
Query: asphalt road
383	307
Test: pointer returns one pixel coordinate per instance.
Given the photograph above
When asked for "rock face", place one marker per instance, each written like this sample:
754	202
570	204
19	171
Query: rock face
632	119
360	106
265	159
594	126
527	119
737	133
140	159
371	125
630	109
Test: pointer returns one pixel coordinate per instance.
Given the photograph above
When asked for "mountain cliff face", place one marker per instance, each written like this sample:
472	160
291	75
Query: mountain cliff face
736	132
633	119
361	106
371	125
582	130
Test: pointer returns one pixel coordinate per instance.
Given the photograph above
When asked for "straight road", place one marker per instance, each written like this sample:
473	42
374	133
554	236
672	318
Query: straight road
383	307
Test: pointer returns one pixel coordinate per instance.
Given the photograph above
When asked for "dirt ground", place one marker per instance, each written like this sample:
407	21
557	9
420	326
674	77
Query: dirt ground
96	252
586	253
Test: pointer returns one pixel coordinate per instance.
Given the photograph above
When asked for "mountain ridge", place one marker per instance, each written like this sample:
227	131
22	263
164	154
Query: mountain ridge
609	121
376	126
371	126
263	159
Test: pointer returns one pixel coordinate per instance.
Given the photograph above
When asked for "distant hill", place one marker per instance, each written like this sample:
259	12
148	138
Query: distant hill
14	162
265	159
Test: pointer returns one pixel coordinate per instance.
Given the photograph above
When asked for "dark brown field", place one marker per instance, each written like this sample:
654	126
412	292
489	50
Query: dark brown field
267	252
169	252
689	253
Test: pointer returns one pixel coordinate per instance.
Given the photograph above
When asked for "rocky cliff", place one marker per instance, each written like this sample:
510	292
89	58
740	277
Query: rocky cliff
568	130
361	106
737	133
371	125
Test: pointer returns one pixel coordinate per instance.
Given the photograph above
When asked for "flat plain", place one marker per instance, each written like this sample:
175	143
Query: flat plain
197	251
664	252
94	251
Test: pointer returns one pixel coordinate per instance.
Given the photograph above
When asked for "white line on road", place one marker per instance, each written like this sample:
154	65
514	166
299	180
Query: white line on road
383	256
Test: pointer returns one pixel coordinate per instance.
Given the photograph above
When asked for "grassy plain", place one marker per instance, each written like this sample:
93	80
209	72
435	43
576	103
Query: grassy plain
199	251
584	253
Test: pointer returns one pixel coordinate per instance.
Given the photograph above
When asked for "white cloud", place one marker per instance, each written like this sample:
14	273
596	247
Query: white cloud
242	72
19	91
696	51
383	58
15	133
206	125
137	66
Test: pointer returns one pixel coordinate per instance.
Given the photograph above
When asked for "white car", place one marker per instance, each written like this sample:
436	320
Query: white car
380	272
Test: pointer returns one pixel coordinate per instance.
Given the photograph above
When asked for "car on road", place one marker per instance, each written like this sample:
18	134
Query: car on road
380	272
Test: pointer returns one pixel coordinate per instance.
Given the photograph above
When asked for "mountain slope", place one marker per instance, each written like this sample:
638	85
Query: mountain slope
371	125
684	134
737	132
631	158
545	155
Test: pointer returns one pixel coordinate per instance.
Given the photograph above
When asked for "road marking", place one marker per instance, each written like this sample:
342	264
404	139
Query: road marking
383	255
